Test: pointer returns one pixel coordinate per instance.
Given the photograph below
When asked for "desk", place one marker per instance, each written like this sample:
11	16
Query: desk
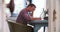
38	24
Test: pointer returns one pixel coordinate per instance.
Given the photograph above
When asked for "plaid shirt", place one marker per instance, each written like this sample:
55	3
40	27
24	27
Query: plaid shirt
23	17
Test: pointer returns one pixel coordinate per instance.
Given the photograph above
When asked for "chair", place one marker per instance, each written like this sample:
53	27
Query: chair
17	27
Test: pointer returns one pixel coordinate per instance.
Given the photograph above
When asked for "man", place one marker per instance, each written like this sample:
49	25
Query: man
24	16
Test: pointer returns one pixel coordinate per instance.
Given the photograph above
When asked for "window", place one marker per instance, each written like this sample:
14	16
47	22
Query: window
19	4
40	6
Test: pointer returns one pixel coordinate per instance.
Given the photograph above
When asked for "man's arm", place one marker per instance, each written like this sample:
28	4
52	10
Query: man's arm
31	18
36	18
26	16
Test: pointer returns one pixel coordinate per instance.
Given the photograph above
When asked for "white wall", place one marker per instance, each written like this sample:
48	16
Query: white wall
54	26
1	25
58	16
0	17
3	22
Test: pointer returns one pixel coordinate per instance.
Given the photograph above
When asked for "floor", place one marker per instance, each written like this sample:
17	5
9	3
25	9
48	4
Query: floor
41	30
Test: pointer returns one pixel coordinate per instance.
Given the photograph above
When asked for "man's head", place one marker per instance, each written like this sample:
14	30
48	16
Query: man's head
31	7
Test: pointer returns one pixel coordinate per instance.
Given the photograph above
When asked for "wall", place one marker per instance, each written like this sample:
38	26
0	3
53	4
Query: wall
54	24
0	16
3	23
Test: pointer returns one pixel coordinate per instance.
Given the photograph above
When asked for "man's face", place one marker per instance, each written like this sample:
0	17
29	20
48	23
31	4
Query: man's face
32	8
